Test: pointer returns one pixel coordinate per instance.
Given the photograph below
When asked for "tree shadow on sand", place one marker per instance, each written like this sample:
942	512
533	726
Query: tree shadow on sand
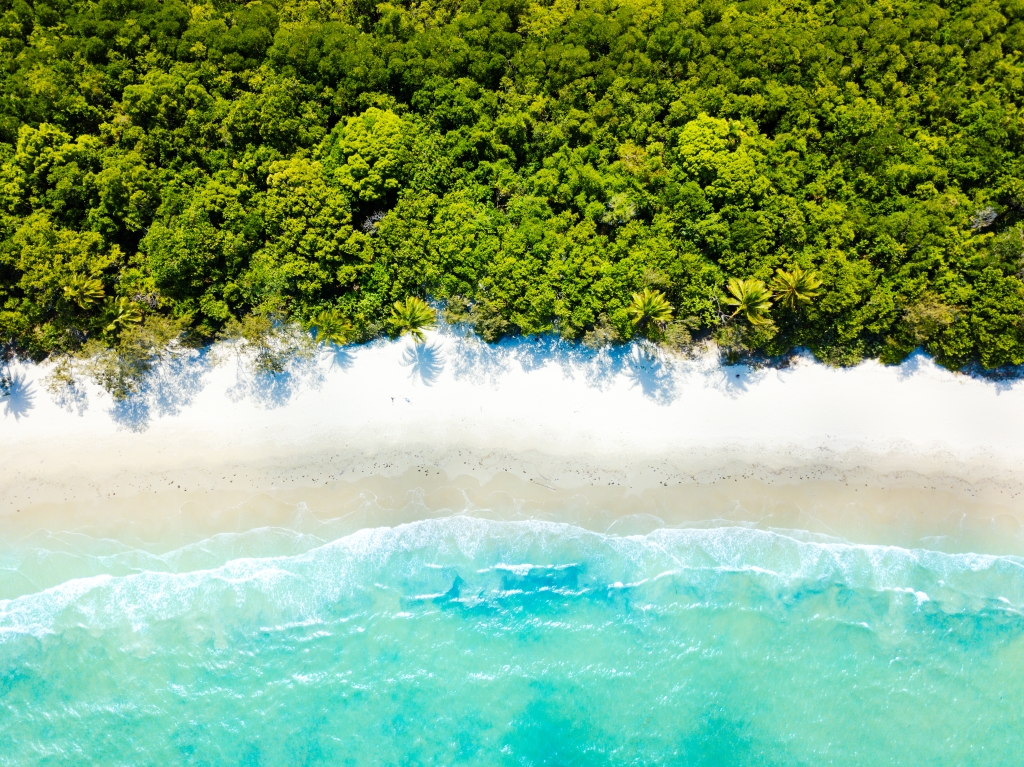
648	371
72	399
425	362
1002	379
640	363
735	380
20	397
339	357
273	390
170	386
475	359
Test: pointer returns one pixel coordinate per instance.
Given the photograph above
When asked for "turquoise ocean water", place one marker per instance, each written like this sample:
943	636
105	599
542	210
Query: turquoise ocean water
463	641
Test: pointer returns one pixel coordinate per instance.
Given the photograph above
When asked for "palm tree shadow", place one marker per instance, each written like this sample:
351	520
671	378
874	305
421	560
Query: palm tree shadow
19	399
425	361
736	380
341	357
649	372
640	363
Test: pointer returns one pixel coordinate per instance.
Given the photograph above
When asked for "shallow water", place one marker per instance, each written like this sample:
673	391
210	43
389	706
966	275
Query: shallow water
468	641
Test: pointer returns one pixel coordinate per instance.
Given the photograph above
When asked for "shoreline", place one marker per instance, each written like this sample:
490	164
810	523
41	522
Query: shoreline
869	454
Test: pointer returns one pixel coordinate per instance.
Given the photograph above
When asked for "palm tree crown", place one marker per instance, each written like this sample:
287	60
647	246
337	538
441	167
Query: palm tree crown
329	327
751	299
82	290
649	306
795	287
412	317
119	313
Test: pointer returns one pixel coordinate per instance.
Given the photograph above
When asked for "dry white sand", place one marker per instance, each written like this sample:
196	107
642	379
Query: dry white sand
391	431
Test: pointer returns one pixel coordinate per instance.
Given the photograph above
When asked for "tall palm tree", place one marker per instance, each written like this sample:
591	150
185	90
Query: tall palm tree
83	291
649	307
412	317
119	313
795	288
329	327
751	299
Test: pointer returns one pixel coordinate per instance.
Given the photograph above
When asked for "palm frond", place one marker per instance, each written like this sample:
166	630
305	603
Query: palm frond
83	291
751	299
119	313
647	308
412	316
329	327
795	287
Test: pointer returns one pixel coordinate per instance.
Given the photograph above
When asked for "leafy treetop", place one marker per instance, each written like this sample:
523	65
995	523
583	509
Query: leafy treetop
533	166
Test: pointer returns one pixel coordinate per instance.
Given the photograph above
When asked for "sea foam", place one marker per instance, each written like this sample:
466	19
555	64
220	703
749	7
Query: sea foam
463	640
482	554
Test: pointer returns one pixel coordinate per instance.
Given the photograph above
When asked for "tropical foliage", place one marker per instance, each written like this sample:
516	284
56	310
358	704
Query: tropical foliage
119	313
329	327
751	299
795	288
649	311
231	165
412	317
83	291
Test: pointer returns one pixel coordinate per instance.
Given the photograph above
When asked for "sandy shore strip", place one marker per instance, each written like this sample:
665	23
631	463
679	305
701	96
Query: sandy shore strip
392	431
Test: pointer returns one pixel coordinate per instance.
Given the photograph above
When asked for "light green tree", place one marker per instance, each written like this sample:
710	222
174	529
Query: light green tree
50	258
795	287
329	327
751	299
83	291
368	153
647	309
311	244
412	316
719	156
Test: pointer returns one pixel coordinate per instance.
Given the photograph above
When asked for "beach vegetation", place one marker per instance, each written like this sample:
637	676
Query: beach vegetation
329	326
122	367
61	377
412	317
679	335
649	313
751	342
603	334
7	353
751	299
266	345
794	288
845	179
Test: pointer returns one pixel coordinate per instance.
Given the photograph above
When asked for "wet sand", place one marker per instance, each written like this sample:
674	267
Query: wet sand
930	501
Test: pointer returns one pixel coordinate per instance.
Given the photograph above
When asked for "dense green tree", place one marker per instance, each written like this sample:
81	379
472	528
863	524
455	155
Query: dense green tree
531	166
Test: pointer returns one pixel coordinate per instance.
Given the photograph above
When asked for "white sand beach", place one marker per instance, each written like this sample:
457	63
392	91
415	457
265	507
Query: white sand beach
619	439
